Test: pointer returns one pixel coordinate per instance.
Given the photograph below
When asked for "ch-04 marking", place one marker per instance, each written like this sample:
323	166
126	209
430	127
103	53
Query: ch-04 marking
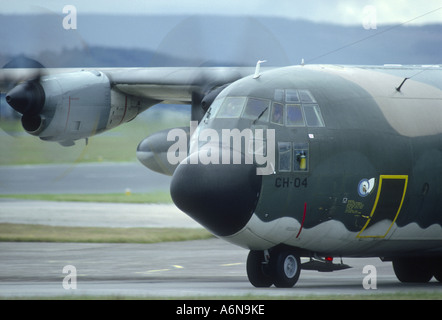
288	182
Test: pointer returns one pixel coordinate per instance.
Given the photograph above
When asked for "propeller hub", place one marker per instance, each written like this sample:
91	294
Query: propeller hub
27	98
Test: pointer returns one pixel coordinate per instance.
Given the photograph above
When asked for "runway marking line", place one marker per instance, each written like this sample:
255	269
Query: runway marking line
153	271
160	270
231	264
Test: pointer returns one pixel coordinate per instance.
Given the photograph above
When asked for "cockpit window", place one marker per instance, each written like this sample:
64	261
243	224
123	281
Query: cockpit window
306	96
291	95
257	109
313	115
285	156
279	95
290	107
277	114
232	107
213	109
294	116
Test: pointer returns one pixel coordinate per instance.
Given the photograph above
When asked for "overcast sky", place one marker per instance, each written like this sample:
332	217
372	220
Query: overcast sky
334	11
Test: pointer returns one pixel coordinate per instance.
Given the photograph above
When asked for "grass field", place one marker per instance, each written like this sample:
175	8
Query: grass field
38	233
154	197
41	233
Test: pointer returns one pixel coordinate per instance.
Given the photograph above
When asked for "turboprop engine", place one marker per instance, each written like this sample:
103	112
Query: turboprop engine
72	106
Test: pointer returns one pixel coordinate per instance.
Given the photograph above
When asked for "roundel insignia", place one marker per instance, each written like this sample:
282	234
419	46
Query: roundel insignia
366	186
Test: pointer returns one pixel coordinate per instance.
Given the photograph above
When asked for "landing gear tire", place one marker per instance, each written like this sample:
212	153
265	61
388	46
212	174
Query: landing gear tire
412	270
282	270
285	267
257	270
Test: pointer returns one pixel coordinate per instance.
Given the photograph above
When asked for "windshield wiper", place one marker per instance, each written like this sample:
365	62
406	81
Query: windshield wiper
260	115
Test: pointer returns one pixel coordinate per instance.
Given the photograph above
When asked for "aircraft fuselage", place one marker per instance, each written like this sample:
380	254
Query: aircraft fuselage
358	161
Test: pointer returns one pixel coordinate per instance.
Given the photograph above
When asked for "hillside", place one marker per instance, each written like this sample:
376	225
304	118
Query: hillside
148	41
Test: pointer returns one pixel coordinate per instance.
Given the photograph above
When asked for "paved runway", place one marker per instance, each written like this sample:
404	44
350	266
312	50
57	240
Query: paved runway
183	269
81	178
195	268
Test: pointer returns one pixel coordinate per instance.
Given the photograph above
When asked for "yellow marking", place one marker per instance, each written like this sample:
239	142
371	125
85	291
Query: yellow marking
160	270
153	271
231	264
404	177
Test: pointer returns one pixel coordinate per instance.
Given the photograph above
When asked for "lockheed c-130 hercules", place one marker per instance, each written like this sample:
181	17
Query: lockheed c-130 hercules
352	155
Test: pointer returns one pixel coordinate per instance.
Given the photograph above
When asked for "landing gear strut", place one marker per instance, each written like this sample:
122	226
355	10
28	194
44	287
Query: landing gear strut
282	269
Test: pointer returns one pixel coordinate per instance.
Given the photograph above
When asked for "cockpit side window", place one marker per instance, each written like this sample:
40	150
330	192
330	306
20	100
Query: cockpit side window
277	114
213	110
285	156
231	107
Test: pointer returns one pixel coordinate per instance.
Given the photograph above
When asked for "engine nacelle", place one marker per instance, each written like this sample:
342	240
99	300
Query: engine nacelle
72	106
152	152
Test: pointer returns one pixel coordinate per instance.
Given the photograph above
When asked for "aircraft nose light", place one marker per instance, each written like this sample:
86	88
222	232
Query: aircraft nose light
26	98
221	197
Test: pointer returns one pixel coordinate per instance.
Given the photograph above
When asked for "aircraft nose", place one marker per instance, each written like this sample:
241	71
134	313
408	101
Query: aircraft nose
221	197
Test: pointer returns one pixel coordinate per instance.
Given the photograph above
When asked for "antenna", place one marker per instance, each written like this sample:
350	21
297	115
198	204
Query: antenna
398	89
258	68
371	36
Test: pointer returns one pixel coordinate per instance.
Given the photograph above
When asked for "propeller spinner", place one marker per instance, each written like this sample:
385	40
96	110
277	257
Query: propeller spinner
27	98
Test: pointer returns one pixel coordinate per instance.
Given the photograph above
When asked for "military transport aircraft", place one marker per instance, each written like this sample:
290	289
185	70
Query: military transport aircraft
315	161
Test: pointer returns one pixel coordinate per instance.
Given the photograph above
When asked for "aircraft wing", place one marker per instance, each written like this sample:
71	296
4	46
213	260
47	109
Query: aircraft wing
173	85
168	84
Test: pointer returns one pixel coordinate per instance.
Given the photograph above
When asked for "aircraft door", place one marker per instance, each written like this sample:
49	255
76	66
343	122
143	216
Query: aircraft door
387	206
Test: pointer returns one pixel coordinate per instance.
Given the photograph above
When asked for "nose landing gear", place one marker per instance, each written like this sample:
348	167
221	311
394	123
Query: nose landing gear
282	269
